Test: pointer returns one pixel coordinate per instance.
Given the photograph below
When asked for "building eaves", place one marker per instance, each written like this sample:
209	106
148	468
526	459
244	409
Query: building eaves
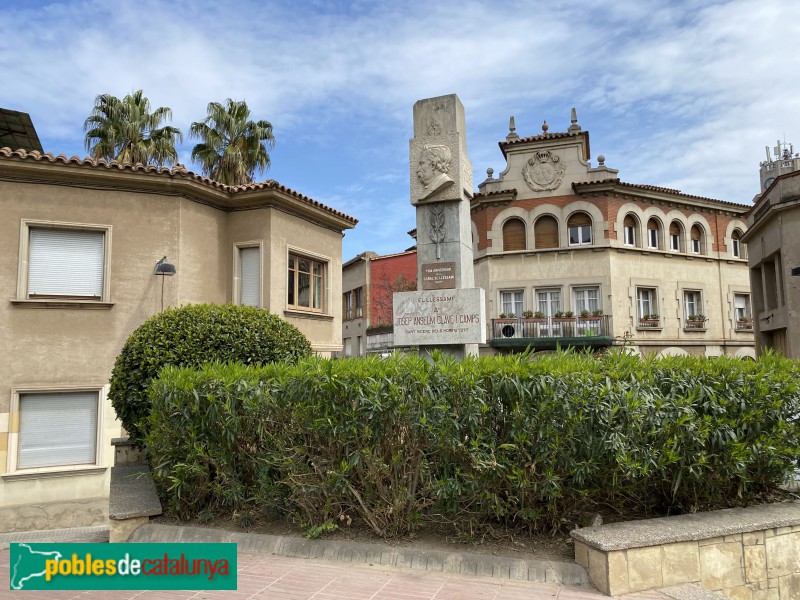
609	184
177	172
507	144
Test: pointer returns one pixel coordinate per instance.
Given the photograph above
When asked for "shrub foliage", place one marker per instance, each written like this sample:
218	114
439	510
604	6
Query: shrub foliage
401	442
192	335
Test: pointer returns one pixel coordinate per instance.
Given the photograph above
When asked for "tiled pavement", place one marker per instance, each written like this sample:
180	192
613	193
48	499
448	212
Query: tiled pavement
264	576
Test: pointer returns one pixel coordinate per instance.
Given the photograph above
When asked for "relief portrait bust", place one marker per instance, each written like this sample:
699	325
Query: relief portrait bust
433	169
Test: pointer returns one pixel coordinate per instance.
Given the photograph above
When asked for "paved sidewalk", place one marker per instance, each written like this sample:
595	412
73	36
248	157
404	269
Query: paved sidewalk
263	576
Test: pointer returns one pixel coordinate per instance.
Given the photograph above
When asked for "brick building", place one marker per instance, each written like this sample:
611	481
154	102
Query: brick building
570	255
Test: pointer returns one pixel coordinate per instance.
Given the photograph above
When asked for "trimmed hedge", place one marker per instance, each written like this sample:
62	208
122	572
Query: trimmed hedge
190	336
401	442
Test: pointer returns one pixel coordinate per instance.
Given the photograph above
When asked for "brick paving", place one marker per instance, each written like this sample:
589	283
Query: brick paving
262	576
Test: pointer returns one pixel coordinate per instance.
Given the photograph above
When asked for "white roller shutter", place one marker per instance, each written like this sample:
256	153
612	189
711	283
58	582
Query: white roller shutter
57	429
250	261
66	262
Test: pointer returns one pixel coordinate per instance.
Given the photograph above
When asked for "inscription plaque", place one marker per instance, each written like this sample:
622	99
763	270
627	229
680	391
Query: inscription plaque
439	276
439	317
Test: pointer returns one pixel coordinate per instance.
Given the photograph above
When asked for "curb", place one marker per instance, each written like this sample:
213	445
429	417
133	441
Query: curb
373	554
77	534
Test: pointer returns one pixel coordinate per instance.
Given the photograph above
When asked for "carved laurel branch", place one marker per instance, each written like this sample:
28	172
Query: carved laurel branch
437	223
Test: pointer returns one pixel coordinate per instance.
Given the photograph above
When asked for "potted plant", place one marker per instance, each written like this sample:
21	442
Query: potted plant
598	312
651	320
697	321
744	322
585	313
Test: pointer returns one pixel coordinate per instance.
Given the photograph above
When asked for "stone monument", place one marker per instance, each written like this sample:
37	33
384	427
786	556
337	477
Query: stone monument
447	310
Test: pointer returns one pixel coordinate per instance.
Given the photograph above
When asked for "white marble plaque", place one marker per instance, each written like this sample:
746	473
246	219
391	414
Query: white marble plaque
440	317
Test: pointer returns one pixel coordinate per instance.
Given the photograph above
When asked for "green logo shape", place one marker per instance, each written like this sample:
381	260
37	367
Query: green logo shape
122	566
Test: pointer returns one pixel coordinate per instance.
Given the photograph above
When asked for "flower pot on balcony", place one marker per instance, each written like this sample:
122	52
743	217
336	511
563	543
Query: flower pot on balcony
649	323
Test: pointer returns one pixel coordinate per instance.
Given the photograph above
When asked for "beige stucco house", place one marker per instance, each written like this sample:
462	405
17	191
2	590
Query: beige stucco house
79	240
660	270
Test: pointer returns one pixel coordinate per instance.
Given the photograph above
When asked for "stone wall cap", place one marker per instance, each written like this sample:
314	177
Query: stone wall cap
689	527
133	493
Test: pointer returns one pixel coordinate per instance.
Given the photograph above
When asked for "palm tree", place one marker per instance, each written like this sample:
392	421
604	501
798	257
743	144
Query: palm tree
127	132
232	147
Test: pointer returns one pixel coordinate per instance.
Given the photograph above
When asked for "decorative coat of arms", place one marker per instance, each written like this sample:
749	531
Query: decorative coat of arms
544	171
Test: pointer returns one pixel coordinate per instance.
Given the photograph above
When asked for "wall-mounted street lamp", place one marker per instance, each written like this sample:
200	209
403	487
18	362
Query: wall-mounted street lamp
165	269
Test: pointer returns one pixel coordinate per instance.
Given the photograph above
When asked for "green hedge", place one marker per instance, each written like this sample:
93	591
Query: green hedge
534	443
189	336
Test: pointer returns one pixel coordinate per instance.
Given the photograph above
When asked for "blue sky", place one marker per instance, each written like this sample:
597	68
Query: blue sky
680	94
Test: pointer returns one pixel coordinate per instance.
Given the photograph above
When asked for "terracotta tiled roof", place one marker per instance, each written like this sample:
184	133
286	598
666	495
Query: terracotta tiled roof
653	188
176	171
545	136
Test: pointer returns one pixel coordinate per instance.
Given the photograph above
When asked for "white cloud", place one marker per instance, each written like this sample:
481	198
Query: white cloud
681	94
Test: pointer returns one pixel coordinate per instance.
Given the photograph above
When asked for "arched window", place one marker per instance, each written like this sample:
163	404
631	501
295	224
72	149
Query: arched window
545	232
629	227
737	248
696	234
580	229
675	236
513	235
653	230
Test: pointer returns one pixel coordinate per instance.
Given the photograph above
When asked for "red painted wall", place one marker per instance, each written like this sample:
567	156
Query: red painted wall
384	273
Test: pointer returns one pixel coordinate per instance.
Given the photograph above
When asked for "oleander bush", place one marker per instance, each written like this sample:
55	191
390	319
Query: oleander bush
540	444
190	336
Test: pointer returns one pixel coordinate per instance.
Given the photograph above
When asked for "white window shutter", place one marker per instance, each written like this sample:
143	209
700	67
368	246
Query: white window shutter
57	429
66	262
250	262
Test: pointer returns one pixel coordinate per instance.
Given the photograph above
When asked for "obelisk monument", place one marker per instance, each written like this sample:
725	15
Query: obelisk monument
446	311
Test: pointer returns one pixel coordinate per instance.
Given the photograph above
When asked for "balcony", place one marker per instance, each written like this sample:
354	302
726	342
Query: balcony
550	333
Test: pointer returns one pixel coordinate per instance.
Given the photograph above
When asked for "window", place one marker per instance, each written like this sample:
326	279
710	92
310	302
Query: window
347	306
629	231
250	276
511	303
580	229
358	301
692	306
736	244
514	235
545	232
675	237
586	298
63	261
352	302
647	305
652	234
548	301
306	283
57	429
741	305
697	239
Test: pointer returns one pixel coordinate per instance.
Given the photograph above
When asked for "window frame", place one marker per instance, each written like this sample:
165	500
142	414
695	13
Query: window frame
692	303
583	289
580	230
652	238
514	301
56	300
748	310
13	470
237	270
292	258
652	300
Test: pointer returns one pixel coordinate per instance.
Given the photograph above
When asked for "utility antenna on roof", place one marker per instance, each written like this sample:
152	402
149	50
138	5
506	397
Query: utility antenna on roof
782	150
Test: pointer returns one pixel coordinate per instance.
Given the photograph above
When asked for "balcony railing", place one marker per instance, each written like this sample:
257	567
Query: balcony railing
552	328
